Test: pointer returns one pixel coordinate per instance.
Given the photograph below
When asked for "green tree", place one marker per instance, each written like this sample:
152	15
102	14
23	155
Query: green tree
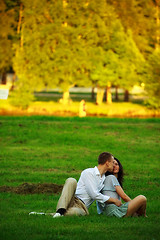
49	52
122	61
96	35
152	83
34	59
63	43
130	61
143	18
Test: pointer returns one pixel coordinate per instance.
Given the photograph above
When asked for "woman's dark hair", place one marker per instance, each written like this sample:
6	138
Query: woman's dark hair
120	174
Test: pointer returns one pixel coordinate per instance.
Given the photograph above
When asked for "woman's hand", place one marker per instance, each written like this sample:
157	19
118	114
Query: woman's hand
114	201
118	203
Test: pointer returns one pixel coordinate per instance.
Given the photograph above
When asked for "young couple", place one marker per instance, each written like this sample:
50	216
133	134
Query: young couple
102	183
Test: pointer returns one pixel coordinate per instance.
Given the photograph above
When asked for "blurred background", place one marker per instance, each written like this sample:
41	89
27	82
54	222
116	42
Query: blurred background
56	53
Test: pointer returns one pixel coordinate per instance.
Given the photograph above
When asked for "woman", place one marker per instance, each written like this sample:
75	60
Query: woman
113	188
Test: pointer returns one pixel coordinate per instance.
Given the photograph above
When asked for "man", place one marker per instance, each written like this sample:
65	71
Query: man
76	198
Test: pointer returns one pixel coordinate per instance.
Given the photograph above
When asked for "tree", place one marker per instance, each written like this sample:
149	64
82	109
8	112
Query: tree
123	61
6	31
95	37
142	17
130	63
63	43
49	53
139	16
152	83
34	57
157	15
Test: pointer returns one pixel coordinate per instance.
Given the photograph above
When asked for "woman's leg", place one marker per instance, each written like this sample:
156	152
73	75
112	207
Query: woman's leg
137	205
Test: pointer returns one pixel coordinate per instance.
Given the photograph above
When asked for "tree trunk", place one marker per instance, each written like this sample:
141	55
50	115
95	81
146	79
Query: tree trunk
92	95
4	78
108	95
20	18
66	98
126	96
20	25
116	94
100	94
158	25
13	82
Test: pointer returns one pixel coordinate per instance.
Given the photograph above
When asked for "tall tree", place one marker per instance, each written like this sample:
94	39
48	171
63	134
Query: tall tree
130	61
157	16
49	53
122	63
96	36
139	16
152	83
63	43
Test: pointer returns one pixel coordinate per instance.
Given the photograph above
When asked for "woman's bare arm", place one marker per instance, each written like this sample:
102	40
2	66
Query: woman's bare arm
122	194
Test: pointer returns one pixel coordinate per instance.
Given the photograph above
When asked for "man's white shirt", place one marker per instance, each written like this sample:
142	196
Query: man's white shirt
89	186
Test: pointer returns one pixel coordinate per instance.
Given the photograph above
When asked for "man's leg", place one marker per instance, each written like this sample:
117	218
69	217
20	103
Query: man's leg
67	195
77	207
75	211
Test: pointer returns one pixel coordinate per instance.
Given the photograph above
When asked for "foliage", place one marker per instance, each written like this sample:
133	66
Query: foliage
63	43
153	79
124	58
50	46
22	96
6	41
139	16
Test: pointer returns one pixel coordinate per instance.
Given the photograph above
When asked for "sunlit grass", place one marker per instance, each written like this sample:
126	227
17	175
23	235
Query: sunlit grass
116	109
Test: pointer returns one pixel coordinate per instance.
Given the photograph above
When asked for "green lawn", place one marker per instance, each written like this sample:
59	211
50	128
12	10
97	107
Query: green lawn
42	149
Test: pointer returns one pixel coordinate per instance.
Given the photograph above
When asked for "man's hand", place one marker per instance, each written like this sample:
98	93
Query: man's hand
114	201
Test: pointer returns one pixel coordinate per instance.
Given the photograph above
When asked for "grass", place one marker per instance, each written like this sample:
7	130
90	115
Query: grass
40	149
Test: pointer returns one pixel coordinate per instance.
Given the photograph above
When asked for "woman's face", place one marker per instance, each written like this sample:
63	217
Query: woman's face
115	167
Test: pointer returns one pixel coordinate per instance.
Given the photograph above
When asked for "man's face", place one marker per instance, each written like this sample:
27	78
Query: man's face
110	165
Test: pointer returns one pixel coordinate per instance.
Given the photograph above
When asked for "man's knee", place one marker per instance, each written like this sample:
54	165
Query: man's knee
71	181
75	211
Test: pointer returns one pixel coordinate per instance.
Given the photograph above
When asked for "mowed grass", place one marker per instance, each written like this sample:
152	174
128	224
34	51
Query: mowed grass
50	149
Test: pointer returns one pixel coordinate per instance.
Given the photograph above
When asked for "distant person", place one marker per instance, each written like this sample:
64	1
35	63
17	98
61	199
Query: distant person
76	198
113	188
82	108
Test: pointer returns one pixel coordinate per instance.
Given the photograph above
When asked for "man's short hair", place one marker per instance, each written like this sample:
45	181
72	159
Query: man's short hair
104	157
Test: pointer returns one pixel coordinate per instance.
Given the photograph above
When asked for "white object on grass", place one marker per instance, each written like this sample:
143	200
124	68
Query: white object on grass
57	215
36	213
